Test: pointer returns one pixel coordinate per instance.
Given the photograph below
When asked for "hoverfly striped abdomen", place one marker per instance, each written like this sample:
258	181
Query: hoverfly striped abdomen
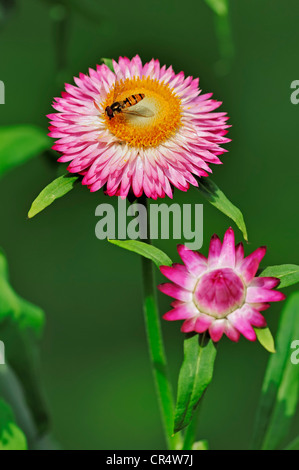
131	100
119	106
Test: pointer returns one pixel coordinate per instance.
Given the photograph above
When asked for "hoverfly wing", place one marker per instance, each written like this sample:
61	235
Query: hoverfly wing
142	111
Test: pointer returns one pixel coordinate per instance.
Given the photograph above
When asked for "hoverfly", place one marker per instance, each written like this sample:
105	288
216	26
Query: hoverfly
125	106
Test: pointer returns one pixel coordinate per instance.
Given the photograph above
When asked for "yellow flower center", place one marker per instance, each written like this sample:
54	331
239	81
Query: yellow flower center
154	119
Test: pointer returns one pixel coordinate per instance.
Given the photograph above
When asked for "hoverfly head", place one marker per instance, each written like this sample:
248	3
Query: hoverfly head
109	112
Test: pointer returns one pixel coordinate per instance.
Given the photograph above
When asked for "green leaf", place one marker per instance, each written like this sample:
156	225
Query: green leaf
266	339
200	445
218	199
12	392
220	7
23	325
195	375
294	445
109	63
285	408
144	249
23	313
20	143
287	273
58	188
280	390
11	436
22	354
30	316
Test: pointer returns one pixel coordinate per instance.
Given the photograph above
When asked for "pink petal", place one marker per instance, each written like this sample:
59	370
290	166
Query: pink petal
214	251
188	325
203	322
231	332
266	282
239	253
216	329
183	312
228	249
179	275
260	306
243	326
176	292
195	262
256	318
258	294
250	265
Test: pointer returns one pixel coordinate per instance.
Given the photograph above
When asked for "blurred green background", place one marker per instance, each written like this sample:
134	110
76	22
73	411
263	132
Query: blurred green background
94	354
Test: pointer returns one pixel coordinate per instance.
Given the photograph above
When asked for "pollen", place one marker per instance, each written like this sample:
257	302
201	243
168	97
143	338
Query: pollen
153	120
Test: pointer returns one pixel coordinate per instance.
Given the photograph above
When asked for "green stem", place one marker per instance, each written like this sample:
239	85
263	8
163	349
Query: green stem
190	434
225	42
157	353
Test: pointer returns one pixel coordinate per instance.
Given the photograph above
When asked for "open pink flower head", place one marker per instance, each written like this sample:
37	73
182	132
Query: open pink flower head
220	294
165	132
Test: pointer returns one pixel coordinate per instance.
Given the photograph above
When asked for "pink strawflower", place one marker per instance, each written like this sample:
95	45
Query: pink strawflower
220	294
171	134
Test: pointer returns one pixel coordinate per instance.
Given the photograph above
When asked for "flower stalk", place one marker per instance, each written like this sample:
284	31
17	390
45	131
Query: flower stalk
157	351
157	354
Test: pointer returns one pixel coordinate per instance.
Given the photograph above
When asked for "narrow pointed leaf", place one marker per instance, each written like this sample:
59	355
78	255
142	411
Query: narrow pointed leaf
285	408
144	249
195	375
20	143
58	188
287	273
217	198
266	339
280	390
